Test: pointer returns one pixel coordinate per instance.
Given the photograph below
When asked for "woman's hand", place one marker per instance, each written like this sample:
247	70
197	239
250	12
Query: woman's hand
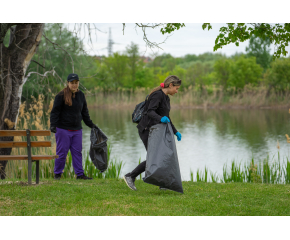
53	129
165	119
178	135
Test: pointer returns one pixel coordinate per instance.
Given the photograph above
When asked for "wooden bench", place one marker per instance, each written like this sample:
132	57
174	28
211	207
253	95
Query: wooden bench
28	144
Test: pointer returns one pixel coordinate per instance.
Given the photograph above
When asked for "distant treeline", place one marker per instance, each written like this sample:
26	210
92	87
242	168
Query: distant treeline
129	70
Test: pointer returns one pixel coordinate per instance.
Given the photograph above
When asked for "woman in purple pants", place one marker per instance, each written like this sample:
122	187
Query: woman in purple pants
69	109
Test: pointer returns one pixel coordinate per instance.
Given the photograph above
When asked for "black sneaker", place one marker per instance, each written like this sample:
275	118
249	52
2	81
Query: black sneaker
130	182
84	177
57	176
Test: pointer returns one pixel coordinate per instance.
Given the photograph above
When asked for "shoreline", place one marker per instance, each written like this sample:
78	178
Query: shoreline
175	106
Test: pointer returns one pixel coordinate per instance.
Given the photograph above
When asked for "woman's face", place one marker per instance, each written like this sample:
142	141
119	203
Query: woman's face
73	85
173	89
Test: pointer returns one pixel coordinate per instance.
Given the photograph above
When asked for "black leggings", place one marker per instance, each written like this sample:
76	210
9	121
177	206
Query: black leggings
141	167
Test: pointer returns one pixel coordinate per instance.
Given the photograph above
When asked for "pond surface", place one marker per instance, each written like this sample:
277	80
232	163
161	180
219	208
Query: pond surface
210	137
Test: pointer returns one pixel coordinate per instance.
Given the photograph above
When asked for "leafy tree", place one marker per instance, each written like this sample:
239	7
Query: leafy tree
117	66
244	71
190	58
100	79
133	59
197	74
260	48
278	76
222	71
145	78
279	34
164	61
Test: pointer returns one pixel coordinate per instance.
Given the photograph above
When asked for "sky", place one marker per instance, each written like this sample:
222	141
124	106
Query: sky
191	39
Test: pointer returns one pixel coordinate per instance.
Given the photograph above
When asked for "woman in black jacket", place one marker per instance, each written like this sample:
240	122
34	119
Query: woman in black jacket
69	109
158	108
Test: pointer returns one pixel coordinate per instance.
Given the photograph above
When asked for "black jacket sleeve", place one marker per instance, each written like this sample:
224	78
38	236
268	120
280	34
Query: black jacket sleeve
85	114
173	128
153	105
56	109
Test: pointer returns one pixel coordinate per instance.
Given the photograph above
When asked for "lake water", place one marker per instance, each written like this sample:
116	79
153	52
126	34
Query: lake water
210	137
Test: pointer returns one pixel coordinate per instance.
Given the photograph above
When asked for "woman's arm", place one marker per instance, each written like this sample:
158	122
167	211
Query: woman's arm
173	128
56	109
153	105
86	116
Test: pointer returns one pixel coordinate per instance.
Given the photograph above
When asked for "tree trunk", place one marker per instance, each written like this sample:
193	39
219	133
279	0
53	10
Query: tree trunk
14	61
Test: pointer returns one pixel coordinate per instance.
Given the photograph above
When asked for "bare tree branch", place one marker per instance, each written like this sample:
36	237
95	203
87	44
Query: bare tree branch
42	75
37	63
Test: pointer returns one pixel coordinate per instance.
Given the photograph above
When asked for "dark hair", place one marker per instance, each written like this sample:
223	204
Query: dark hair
170	79
68	95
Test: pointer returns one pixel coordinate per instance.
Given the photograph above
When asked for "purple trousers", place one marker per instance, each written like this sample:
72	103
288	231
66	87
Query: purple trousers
68	140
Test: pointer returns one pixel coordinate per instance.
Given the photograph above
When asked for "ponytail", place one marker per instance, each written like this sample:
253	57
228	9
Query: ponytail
170	79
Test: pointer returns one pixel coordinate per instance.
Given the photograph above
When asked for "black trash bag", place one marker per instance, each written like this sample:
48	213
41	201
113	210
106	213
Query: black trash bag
162	167
98	149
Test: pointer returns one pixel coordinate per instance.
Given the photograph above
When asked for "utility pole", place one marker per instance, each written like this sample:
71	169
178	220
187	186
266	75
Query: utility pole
110	44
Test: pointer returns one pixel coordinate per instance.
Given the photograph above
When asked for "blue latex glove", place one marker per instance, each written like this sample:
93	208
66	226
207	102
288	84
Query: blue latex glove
165	119
178	135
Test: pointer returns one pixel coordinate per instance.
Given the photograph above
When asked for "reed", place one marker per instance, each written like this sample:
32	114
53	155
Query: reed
200	176
267	172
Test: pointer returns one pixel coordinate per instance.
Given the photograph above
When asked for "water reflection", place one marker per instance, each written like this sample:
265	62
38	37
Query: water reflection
209	137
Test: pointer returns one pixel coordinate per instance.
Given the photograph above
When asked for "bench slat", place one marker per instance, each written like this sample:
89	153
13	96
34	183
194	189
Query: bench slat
8	144
10	133
25	157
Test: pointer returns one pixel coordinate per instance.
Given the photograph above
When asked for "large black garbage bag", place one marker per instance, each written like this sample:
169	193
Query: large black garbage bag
98	149
162	167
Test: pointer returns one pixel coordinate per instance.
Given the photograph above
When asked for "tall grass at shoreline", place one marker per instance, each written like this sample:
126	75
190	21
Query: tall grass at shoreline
265	171
18	171
194	97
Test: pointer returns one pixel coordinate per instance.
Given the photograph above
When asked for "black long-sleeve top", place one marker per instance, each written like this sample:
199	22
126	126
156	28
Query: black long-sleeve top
70	117
158	106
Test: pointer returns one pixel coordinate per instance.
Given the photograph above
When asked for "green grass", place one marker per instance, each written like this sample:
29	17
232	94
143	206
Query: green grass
113	197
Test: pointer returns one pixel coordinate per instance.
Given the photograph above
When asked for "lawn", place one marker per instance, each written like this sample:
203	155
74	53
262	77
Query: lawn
113	197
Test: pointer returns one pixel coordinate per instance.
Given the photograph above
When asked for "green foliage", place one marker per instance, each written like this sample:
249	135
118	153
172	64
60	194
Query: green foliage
278	76
133	60
117	66
222	70
164	61
260	48
245	71
170	27
6	38
239	32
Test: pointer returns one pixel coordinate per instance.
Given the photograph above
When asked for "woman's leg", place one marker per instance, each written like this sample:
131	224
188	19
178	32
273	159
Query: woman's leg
76	152
141	167
63	141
